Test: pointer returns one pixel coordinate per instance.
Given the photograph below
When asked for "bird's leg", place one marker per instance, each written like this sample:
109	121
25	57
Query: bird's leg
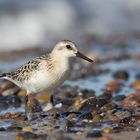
53	108
31	106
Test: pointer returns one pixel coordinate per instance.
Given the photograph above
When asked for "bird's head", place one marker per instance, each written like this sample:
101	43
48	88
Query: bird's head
68	49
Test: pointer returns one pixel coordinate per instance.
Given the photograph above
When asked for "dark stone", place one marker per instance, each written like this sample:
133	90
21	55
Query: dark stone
28	135
2	129
92	104
14	101
69	124
3	105
87	116
67	102
107	95
94	133
87	93
121	74
122	113
109	106
14	128
119	98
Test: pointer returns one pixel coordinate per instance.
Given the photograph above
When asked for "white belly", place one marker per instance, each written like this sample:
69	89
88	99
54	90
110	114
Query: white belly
43	81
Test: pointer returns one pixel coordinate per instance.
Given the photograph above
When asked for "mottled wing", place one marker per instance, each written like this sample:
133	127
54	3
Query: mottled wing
24	72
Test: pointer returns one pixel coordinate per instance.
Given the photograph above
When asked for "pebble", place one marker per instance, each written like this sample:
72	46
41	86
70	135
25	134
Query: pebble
78	103
10	91
86	116
97	118
91	104
6	85
72	116
113	86
14	128
94	134
44	98
26	136
106	96
16	115
22	93
122	113
107	130
27	129
131	101
113	118
7	115
121	74
87	93
14	101
109	107
119	98
136	85
3	104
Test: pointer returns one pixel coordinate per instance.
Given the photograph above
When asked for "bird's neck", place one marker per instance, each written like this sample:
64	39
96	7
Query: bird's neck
61	61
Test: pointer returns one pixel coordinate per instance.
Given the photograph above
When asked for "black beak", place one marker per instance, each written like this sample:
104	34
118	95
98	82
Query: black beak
78	54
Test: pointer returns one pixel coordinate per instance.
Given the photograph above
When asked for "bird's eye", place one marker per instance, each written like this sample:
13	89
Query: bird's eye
69	47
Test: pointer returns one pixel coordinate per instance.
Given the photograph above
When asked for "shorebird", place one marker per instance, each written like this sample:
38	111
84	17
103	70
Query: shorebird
46	72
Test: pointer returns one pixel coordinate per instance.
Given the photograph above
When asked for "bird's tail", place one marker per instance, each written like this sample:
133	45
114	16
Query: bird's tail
2	75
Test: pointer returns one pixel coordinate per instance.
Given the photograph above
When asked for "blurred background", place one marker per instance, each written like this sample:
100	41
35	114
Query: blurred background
41	23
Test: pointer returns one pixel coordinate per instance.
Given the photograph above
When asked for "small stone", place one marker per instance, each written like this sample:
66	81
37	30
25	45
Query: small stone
86	93
119	98
136	85
16	115
113	86
20	137
86	116
22	93
91	104
26	136
97	118
78	102
72	116
7	115
3	105
122	113
6	85
14	101
48	107
2	129
131	101
106	96
27	129
94	133
44	98
10	91
107	130
113	118
14	129
121	74
79	133
109	107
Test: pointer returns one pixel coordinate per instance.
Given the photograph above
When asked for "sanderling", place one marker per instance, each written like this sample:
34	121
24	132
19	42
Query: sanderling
46	72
